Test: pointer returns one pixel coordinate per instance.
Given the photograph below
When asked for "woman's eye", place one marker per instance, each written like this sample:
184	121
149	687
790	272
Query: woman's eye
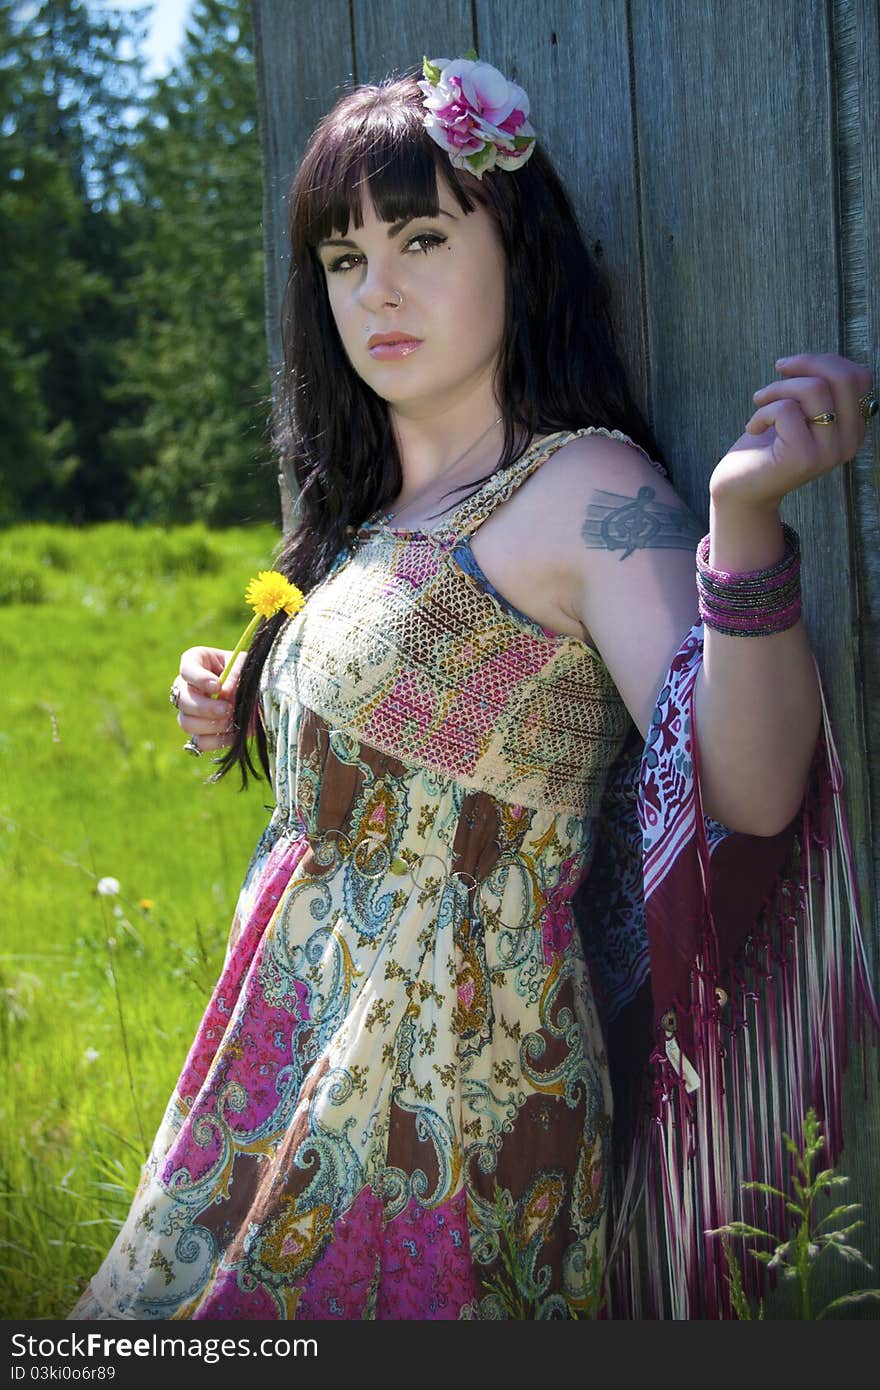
426	241
342	263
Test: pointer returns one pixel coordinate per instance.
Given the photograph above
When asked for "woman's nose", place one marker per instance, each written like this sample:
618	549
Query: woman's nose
378	292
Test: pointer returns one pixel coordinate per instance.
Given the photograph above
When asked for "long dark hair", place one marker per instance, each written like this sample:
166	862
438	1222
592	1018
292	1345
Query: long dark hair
558	370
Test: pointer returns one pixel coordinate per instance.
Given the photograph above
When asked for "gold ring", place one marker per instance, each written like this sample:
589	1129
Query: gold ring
868	405
826	418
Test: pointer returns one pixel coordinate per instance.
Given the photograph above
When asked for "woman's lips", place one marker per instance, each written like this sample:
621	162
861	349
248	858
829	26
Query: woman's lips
387	347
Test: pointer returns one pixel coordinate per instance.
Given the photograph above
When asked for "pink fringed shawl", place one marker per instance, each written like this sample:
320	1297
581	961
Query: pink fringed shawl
736	955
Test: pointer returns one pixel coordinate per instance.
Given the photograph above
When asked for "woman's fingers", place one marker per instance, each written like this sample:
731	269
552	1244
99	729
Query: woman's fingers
199	694
834	379
813	393
845	377
812	447
202	722
200	667
193	705
210	721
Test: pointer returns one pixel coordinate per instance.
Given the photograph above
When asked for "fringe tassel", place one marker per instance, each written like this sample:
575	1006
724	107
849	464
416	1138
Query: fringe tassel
776	1046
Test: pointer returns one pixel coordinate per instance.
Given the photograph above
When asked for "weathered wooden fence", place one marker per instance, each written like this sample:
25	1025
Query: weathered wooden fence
726	169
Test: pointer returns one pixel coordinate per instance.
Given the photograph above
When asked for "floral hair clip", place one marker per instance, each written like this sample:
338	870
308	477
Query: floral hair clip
475	115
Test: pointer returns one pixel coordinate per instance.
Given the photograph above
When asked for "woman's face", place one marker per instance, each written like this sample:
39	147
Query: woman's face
419	305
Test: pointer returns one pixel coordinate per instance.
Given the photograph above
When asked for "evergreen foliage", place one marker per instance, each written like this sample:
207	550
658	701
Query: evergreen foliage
133	378
68	81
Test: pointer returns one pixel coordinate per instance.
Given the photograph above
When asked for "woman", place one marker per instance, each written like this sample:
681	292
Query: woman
398	1104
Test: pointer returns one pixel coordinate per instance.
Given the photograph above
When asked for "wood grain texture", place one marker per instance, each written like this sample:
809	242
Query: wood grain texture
573	60
745	261
304	61
394	37
742	265
855	80
856	87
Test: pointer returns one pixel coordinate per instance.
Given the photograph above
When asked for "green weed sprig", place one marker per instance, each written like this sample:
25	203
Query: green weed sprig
796	1257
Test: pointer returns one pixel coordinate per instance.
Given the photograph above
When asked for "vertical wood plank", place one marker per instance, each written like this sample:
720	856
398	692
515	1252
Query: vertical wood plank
738	216
304	61
856	86
741	261
742	265
573	60
394	37
856	90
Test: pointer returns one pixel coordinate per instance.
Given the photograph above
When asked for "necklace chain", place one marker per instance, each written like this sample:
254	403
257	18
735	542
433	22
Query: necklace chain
386	517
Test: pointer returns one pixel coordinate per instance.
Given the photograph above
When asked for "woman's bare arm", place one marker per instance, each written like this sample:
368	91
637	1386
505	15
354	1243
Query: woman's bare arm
757	699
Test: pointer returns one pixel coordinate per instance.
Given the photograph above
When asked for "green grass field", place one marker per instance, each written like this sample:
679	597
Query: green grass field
100	995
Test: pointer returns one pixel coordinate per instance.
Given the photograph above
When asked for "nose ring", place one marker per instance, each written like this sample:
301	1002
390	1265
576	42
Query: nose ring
399	299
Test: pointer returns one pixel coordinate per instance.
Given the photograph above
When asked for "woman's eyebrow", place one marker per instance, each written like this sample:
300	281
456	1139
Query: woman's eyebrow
335	241
397	227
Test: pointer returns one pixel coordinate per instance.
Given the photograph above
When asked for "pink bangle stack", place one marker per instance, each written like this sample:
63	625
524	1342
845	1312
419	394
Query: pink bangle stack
754	604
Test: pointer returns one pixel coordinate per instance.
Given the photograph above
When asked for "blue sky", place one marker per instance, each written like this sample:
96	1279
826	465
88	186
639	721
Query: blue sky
166	31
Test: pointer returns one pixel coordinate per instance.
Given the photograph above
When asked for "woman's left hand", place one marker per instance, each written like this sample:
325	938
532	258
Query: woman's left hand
782	448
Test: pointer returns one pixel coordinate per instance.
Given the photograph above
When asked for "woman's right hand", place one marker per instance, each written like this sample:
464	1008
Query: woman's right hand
210	720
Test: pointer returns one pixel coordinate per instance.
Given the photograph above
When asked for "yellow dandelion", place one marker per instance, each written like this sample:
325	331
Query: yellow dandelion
268	594
145	904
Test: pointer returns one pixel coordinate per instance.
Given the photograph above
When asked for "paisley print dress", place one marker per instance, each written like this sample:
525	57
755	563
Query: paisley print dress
397	1104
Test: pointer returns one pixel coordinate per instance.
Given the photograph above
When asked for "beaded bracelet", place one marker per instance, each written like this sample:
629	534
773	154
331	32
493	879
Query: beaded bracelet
754	604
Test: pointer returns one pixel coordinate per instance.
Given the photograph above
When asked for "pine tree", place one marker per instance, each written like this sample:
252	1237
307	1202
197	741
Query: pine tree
198	357
69	76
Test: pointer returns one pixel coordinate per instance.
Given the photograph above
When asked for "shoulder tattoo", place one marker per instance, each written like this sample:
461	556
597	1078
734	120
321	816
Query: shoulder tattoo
635	523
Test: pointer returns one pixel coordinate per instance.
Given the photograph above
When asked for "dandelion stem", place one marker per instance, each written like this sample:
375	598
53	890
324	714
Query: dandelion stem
241	645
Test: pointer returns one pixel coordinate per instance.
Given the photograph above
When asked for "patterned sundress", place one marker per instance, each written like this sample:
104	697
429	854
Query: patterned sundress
397	1104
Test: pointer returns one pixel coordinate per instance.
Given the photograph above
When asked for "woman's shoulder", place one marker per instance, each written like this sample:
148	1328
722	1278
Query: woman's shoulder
596	458
569	483
595	440
600	498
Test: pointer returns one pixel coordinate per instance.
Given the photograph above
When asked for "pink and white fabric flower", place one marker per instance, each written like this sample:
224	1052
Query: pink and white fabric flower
476	115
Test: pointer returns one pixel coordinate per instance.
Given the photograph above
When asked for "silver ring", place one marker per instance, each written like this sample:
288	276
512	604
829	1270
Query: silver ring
826	418
192	746
174	695
399	298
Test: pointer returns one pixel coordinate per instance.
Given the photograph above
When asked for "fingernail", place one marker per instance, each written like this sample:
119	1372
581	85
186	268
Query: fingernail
782	361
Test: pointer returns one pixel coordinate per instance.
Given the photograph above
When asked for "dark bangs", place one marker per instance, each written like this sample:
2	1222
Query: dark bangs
377	142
